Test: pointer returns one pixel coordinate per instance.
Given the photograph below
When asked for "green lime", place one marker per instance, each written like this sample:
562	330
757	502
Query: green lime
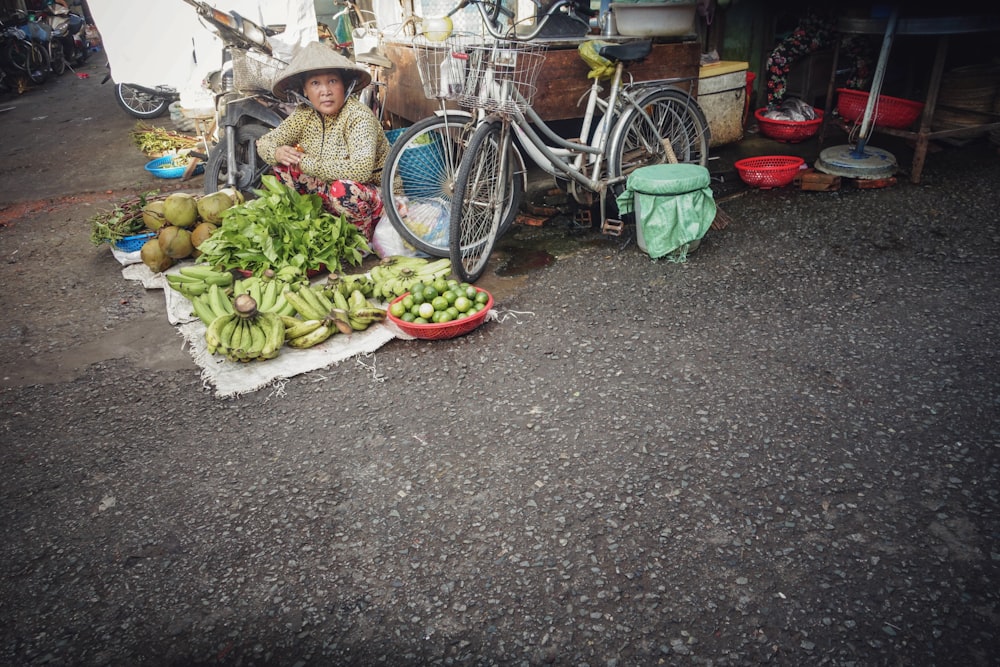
397	308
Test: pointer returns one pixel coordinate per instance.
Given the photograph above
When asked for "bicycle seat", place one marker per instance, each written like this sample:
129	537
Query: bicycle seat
627	52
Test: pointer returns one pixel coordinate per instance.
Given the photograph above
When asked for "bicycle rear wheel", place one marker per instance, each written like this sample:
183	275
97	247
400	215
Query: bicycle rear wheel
418	180
676	116
486	191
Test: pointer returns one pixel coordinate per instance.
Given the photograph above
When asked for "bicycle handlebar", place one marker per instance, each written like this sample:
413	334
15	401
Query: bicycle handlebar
495	32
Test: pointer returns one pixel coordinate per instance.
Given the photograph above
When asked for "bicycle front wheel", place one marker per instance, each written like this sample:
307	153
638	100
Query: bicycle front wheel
486	190
677	122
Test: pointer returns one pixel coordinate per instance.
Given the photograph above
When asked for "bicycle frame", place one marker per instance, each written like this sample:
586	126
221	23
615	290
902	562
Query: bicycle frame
582	161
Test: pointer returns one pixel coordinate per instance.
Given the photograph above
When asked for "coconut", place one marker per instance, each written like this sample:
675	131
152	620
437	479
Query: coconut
153	257
152	215
235	195
175	242
211	207
181	209
201	232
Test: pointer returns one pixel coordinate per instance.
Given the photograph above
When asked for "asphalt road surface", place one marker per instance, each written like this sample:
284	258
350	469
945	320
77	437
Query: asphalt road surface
782	451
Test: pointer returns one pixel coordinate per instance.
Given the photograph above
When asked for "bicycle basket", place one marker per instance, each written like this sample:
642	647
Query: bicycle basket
254	71
441	64
500	76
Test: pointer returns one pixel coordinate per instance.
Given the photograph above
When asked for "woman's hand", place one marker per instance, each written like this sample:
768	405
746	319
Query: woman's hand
290	156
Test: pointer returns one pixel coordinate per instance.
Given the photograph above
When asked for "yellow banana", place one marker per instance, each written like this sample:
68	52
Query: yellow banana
358	325
368	315
303	328
311	339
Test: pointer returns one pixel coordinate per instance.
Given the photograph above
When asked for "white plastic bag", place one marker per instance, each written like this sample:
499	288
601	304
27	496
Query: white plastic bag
386	241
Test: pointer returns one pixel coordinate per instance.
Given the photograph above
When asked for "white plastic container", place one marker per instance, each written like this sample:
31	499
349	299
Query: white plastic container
722	96
671	18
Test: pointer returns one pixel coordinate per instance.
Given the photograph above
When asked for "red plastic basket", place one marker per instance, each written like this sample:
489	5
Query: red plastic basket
788	131
442	330
892	112
769	171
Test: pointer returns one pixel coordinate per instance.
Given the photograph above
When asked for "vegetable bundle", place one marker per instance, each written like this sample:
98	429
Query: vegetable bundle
283	228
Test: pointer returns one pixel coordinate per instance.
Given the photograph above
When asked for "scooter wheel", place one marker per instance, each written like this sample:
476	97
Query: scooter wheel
138	103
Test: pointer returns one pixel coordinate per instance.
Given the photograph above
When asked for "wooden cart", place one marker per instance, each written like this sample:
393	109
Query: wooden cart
562	82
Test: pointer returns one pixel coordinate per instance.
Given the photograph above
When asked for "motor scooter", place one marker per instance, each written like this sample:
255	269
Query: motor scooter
68	28
245	109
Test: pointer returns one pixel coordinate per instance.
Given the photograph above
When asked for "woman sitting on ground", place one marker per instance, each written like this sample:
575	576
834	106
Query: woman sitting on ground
331	145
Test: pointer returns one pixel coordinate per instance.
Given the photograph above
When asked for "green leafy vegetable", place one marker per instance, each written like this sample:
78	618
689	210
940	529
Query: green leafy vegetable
282	227
123	220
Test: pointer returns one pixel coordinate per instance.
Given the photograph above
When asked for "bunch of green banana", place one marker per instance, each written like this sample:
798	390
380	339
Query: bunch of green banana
396	274
268	292
355	311
302	334
246	334
315	325
213	304
322	318
345	284
290	275
309	302
194	281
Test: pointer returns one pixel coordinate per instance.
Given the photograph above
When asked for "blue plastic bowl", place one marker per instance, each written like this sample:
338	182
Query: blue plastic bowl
159	168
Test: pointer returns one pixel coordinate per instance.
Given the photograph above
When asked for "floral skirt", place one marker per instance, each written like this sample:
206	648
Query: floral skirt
360	203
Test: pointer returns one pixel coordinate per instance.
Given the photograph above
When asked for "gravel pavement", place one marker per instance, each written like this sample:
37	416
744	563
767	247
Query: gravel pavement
782	451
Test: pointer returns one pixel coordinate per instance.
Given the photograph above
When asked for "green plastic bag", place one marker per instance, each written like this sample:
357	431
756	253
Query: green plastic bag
674	207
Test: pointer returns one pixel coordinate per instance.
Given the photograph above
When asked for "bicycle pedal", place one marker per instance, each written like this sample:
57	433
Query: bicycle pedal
583	217
612	227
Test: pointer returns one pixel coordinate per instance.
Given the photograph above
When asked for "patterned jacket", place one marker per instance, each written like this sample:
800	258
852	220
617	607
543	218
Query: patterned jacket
349	146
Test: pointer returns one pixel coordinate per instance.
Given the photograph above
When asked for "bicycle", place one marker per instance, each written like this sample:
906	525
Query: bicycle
639	123
420	211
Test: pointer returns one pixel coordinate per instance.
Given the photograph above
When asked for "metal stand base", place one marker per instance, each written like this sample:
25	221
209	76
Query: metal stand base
841	161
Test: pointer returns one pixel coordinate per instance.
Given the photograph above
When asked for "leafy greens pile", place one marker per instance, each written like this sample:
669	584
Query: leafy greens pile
282	227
